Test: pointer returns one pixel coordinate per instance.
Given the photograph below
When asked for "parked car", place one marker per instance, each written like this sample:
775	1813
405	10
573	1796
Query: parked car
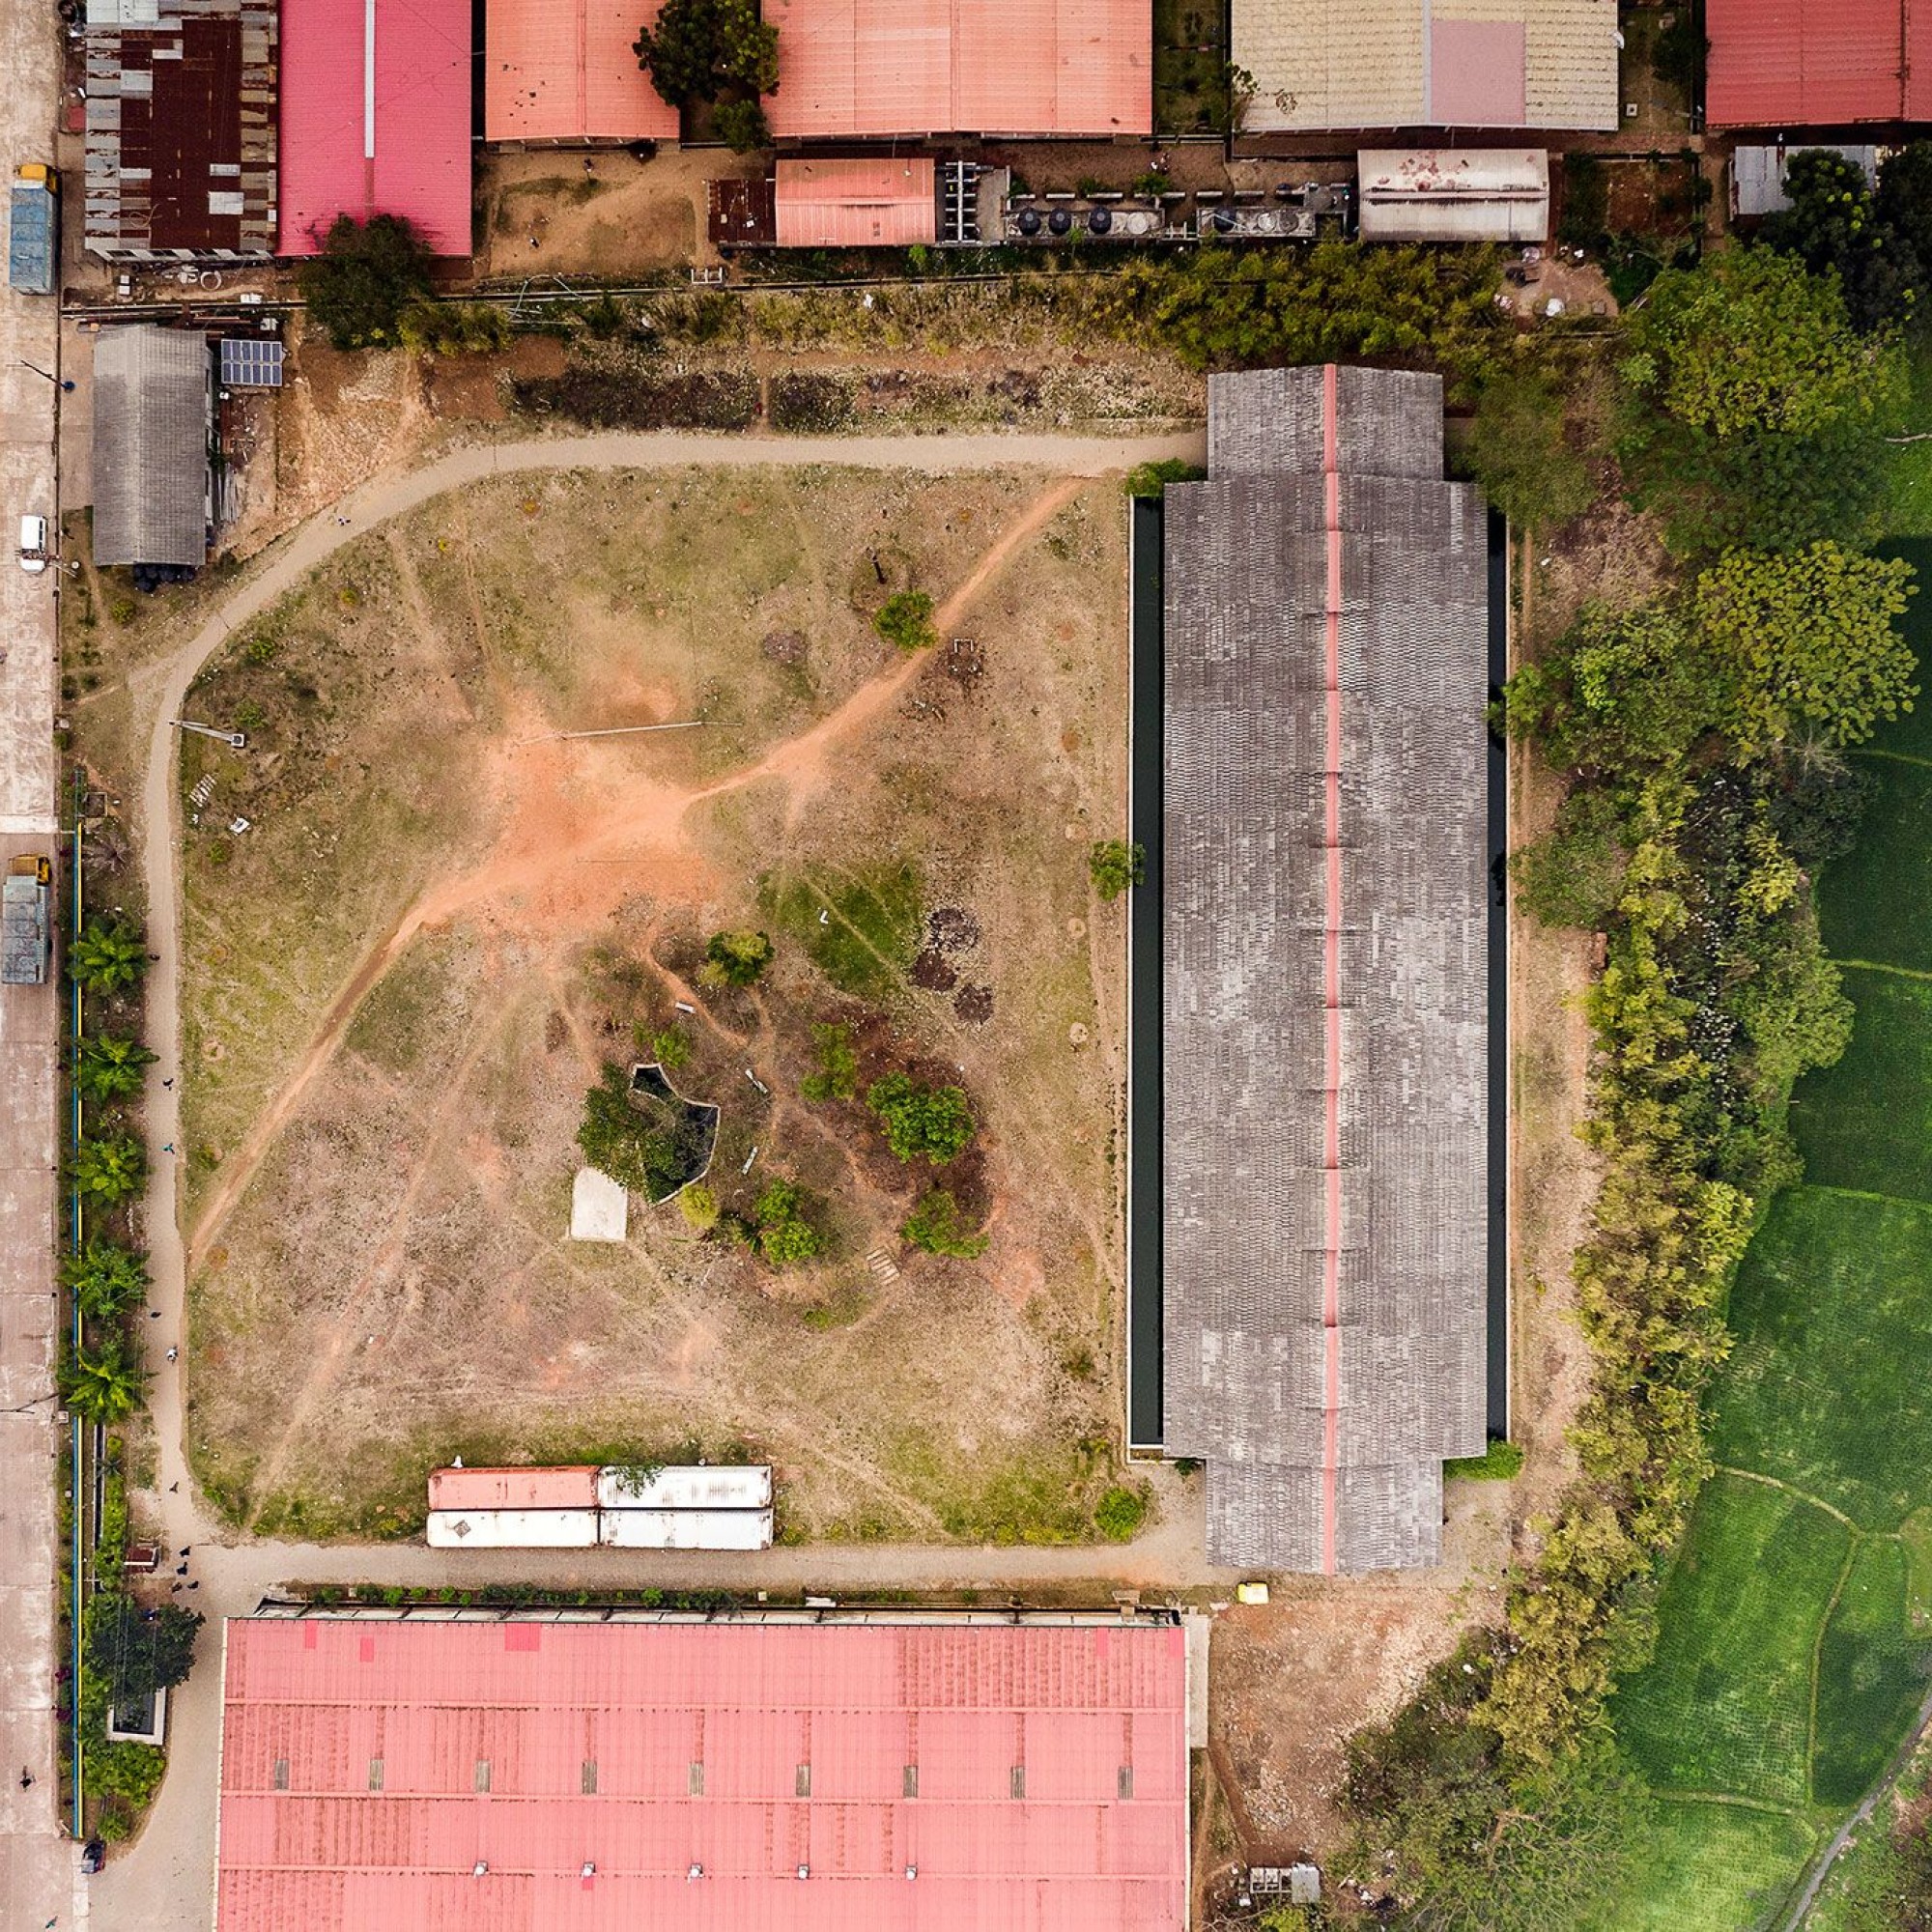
33	543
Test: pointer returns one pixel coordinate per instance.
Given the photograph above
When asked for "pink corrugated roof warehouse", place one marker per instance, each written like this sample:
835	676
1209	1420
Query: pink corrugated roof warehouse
715	1777
1818	63
375	117
874	204
976	67
566	71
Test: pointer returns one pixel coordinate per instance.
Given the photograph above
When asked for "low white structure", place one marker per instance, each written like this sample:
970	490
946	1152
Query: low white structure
1454	194
600	1209
693	1487
685	1529
513	1529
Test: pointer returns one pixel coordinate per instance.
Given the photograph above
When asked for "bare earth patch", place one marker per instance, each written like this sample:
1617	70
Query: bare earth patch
444	917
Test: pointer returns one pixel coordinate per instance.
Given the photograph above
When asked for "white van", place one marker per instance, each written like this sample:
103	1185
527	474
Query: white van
33	543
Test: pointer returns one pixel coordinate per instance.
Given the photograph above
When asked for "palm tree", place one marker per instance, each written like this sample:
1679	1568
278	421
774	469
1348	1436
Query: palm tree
107	1068
104	1278
108	1168
108	956
105	1386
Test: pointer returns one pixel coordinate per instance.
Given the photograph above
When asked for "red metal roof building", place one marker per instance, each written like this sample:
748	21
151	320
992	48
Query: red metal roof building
1817	63
566	71
857	67
535	1775
871	203
375	101
571	1486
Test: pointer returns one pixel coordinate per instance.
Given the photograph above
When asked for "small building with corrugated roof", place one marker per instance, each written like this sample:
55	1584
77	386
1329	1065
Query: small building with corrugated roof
152	410
1453	194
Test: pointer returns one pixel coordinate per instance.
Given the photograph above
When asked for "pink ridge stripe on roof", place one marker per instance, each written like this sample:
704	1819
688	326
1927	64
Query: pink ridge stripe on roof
570	1487
940	66
1029	1778
566	71
382	129
869	203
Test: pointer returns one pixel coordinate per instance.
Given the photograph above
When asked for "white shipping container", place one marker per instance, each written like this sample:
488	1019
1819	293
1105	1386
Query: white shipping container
686	1530
513	1529
711	1486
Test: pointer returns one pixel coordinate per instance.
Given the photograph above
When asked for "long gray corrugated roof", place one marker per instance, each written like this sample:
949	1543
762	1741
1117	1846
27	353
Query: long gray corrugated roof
149	445
1324	955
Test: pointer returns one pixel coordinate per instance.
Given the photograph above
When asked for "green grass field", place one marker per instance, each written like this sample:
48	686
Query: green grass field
1795	1625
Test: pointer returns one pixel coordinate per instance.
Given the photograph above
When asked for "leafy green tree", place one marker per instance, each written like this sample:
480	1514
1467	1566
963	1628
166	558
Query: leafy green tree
1833	227
935	1124
366	276
104	1384
1574	874
1903	202
671	1048
697	49
109	956
786	1236
109	1168
837	1075
699	1208
136	1652
107	1068
1808	641
1120	1512
1749	342
739	958
933	1224
742	126
1115	866
1518	454
104	1278
647	1145
1621	692
906	619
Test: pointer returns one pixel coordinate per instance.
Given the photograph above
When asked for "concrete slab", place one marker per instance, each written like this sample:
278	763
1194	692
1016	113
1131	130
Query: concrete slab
600	1209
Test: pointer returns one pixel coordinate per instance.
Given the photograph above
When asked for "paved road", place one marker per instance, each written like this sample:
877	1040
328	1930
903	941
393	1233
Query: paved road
164	1884
40	1882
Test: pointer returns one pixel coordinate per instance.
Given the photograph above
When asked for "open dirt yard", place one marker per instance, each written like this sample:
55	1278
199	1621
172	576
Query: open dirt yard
442	918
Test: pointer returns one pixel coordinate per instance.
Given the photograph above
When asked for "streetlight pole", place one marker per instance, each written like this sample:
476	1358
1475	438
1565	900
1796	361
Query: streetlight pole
66	389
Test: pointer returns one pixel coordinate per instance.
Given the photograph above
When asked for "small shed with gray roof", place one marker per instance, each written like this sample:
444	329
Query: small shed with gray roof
152	390
1324	960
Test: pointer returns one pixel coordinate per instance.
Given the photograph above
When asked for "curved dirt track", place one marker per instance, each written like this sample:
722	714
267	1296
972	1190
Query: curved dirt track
164	1883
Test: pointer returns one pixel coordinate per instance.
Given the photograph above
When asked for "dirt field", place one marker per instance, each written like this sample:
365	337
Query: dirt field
441	920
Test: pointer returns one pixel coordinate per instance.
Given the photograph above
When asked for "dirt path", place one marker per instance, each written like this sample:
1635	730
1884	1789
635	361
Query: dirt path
641	814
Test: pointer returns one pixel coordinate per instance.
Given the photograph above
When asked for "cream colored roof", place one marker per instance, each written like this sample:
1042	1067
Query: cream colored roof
1320	64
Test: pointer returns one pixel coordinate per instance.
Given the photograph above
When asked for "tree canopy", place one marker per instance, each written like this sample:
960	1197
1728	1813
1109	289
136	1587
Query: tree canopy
697	49
1807	641
643	1142
365	278
136	1652
738	959
935	1124
935	1225
106	1068
104	1385
786	1234
1519	455
1834	226
108	955
106	1278
1749	342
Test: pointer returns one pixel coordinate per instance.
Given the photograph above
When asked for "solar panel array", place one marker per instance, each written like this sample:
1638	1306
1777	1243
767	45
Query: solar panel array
1322	1364
251	362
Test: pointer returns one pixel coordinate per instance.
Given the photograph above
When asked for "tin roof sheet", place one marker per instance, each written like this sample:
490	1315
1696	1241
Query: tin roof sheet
1324	953
375	117
567	71
865	204
1033	1778
1817	63
573	1487
1326	64
151	395
850	67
